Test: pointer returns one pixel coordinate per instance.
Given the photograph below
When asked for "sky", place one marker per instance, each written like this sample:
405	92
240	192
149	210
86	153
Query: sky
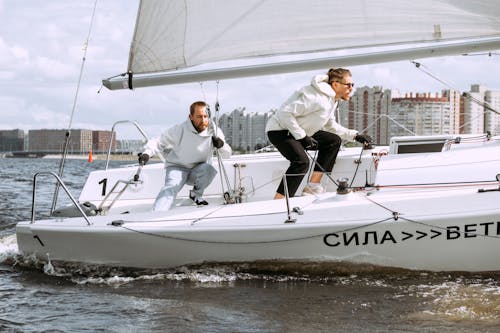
41	51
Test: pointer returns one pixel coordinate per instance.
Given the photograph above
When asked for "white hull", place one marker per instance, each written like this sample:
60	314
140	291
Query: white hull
448	237
439	228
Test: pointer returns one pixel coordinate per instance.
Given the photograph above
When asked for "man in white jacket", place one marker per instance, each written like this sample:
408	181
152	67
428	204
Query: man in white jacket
189	147
306	121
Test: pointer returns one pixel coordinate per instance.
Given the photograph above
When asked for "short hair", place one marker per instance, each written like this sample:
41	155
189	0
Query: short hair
196	104
337	74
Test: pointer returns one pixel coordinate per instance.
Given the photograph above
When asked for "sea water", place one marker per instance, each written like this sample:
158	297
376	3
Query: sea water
264	297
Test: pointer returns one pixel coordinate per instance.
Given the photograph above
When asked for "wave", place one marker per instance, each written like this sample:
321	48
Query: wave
8	249
452	297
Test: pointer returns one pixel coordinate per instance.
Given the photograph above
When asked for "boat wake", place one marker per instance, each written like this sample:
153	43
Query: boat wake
203	274
8	249
460	299
445	296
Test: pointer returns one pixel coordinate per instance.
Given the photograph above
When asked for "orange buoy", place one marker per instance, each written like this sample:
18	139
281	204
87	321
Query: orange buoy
90	159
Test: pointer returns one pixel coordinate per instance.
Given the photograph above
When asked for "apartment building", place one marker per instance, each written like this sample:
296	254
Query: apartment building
100	141
11	140
53	141
369	108
245	131
424	114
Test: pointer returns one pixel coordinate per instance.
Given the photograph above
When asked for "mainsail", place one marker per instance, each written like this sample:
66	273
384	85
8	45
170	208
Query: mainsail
175	35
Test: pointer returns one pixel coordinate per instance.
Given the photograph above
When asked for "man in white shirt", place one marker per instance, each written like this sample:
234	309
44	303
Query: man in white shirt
190	148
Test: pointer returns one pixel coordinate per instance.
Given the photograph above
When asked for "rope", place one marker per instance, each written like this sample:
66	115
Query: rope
312	166
328	173
357	167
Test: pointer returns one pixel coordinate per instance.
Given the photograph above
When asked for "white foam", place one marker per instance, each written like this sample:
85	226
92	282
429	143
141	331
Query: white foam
8	248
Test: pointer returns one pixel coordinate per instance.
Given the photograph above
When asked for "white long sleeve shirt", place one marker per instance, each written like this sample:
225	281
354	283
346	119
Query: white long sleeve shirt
186	147
308	110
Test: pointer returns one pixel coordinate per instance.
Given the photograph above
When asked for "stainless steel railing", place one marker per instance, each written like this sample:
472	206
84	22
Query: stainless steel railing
61	183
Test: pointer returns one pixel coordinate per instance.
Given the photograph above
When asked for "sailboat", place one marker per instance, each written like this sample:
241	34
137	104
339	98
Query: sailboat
432	203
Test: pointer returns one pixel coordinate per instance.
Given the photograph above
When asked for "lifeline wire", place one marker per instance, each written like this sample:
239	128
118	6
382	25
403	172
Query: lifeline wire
250	242
394	218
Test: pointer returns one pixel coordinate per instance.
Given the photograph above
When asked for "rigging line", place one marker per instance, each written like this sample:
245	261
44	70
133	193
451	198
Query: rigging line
472	120
68	132
322	169
214	128
484	104
358	163
206	217
250	242
203	92
328	173
381	206
217	106
398	215
421	66
85	47
222	168
311	169
381	115
436	185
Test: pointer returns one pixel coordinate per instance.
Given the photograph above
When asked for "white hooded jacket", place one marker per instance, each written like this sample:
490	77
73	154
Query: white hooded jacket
308	110
185	146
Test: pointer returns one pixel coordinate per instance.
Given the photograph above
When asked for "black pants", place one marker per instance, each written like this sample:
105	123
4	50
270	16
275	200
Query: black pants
292	150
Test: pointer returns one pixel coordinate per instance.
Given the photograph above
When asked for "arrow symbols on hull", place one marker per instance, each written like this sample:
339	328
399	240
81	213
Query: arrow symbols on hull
421	234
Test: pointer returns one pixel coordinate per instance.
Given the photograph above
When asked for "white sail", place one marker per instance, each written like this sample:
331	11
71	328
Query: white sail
177	34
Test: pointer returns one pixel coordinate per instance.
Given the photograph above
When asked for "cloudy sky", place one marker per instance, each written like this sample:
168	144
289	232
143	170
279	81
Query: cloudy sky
41	50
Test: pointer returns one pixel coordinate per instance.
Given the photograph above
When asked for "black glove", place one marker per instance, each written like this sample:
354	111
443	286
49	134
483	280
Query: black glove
143	158
217	142
365	139
309	143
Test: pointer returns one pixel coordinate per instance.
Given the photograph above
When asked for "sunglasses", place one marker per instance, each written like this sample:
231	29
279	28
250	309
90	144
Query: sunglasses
350	85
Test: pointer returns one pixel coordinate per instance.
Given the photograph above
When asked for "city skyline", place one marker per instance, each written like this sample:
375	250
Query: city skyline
397	93
381	113
40	70
393	95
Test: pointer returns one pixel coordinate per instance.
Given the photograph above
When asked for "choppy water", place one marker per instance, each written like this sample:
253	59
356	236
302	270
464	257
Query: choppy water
264	297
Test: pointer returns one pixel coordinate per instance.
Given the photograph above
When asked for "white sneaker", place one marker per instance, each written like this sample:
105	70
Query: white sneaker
313	189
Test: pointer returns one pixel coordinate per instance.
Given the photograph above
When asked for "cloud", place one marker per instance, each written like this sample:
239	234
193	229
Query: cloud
41	55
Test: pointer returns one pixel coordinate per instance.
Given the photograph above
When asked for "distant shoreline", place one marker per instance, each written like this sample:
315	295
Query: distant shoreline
99	157
95	157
